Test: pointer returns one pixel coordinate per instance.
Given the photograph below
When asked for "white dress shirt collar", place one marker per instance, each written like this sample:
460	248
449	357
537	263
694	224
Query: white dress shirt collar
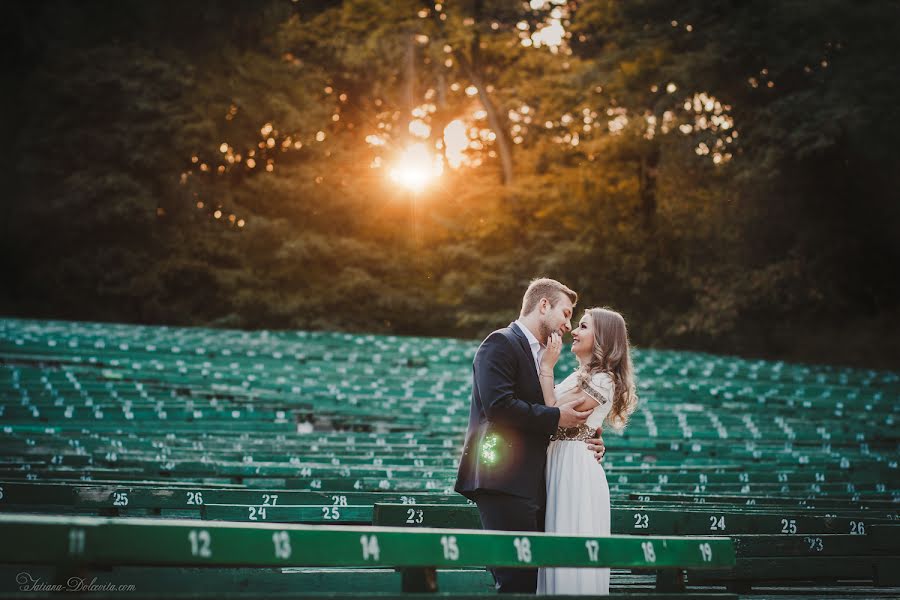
536	349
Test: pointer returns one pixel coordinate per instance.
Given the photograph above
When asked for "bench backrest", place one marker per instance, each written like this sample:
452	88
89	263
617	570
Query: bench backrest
96	540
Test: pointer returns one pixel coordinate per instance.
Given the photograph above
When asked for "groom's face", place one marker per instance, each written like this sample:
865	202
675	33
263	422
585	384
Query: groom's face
557	318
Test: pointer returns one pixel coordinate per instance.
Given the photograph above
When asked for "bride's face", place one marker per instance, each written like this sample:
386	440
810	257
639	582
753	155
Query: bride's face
583	337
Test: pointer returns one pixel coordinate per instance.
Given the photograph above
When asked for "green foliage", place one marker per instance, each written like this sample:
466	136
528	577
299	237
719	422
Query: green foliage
122	113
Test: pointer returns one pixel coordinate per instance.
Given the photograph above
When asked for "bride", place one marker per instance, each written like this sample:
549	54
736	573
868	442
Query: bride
577	492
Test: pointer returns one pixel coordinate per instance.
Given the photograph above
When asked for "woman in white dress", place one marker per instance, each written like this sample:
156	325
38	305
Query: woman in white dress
577	492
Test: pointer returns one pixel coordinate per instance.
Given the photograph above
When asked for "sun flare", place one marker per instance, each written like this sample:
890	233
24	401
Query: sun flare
416	167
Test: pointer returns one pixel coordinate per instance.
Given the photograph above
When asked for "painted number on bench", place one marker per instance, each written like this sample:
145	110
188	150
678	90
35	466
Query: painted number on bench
706	552
370	548
523	549
331	513
641	521
120	499
815	543
195	498
788	526
414	516
593	548
76	542
270	499
717	524
857	528
282	544
200	543
649	552
451	549
339	500
256	513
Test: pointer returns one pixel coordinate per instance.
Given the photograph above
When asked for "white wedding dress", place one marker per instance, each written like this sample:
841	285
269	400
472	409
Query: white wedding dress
578	494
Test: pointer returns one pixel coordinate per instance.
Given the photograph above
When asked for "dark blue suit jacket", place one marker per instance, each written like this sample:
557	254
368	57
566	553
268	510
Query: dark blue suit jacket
509	425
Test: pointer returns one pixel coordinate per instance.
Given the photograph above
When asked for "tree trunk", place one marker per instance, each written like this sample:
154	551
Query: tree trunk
410	91
498	124
496	121
647	176
471	66
441	91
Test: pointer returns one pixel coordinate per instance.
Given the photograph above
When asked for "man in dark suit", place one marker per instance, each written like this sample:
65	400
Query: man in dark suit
505	452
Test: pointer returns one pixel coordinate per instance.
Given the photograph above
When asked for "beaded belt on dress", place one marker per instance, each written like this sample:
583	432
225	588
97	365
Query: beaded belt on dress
573	434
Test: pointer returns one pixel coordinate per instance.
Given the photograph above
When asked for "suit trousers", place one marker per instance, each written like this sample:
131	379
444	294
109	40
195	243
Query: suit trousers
505	512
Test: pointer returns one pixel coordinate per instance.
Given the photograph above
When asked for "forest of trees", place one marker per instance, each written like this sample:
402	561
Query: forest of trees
724	173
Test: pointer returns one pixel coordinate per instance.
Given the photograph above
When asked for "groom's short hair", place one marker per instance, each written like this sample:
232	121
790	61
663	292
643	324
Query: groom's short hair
550	289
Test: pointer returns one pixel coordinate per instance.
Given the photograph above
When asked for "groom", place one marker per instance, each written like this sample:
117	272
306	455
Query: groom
505	452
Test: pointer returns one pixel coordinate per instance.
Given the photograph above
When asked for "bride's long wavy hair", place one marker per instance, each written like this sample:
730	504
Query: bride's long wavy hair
612	355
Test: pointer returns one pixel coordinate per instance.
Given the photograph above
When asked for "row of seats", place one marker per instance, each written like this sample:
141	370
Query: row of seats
324	429
95	540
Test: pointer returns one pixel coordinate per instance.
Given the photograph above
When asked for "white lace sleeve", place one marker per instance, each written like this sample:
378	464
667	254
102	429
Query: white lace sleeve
599	388
566	384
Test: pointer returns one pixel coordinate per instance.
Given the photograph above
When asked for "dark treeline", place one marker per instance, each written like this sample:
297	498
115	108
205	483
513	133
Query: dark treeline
724	173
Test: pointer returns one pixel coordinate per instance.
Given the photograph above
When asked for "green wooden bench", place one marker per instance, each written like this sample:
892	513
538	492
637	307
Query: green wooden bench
251	582
122	496
886	542
780	501
673	521
780	559
74	541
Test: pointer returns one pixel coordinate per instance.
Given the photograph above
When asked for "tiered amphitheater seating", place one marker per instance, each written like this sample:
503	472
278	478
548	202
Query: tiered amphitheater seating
797	464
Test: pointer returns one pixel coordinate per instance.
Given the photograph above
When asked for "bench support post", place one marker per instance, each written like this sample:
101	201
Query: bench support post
418	580
670	581
887	573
